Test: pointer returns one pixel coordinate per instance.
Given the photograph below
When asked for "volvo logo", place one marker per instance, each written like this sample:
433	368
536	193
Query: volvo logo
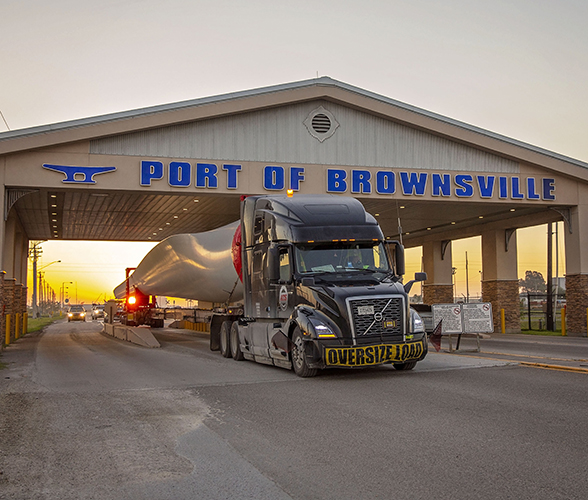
378	316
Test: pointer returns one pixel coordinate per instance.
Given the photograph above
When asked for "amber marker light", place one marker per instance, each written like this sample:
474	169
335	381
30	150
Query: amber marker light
290	193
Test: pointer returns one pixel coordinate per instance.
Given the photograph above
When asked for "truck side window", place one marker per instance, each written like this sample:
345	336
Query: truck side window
285	269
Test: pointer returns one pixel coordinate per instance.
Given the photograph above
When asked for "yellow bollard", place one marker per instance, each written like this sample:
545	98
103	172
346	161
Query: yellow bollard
563	321
25	324
502	322
7	341
16	326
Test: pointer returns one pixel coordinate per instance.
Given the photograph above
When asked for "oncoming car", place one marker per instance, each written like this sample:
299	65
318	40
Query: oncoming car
98	312
76	313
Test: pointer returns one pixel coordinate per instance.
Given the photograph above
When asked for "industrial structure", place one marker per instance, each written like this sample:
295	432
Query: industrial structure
147	174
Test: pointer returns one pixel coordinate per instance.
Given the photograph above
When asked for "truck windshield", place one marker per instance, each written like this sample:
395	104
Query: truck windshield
335	257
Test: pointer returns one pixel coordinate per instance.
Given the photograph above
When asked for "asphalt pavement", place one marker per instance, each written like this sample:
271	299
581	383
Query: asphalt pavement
87	416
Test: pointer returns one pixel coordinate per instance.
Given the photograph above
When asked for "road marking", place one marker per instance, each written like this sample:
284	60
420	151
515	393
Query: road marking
531	364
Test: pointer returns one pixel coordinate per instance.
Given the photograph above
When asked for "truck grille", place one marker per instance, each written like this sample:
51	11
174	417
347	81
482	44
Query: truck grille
380	317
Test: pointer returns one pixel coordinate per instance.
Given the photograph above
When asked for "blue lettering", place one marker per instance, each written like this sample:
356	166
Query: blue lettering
503	187
361	181
548	189
531	191
385	182
415	184
180	174
516	189
336	182
151	170
464	190
441	185
273	178
486	186
232	175
296	177
206	175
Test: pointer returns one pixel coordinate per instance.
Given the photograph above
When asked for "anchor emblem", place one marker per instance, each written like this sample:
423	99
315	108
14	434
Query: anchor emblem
70	173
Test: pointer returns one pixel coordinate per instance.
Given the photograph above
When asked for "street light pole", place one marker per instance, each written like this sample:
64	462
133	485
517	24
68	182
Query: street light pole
36	253
63	292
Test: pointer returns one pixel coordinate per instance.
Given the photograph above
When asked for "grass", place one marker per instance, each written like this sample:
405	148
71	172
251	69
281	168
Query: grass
557	333
36	324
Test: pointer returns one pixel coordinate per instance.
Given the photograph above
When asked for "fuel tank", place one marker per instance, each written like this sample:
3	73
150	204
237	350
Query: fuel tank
197	266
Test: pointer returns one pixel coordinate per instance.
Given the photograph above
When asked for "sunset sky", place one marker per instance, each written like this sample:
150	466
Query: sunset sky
515	67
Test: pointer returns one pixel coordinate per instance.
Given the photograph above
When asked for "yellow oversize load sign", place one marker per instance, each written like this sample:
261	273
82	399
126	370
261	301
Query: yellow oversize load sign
373	354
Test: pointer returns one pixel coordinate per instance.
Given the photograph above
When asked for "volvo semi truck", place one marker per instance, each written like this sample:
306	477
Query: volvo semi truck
316	286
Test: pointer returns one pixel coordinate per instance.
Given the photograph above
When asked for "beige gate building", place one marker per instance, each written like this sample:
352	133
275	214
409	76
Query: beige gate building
146	174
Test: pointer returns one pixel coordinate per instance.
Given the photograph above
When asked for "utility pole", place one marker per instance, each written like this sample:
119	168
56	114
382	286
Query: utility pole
34	253
467	281
550	325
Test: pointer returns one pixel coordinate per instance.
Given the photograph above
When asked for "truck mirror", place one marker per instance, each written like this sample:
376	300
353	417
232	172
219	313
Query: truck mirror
399	257
420	276
273	264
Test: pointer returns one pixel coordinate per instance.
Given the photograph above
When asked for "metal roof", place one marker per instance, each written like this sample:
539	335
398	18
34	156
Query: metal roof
317	82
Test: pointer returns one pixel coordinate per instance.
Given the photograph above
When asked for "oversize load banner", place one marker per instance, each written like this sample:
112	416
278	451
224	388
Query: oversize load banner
373	355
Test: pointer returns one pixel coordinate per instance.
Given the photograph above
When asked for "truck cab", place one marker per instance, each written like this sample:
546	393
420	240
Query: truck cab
322	288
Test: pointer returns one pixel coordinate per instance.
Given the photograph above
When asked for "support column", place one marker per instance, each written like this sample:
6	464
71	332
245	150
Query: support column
500	282
8	250
437	263
577	267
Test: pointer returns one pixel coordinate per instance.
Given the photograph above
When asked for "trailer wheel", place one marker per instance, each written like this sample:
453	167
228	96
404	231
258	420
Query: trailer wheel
225	339
236	343
405	366
299	356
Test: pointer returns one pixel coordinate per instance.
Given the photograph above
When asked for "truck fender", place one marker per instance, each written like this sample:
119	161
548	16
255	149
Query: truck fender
301	317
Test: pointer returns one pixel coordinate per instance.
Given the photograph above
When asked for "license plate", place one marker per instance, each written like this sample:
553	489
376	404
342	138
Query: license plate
364	310
373	354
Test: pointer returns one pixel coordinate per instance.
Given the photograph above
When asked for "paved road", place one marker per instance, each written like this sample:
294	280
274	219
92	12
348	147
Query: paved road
85	416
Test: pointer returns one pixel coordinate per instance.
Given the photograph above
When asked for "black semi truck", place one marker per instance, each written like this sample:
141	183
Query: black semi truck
322	289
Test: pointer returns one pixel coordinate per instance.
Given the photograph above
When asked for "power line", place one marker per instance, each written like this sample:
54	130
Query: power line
4	119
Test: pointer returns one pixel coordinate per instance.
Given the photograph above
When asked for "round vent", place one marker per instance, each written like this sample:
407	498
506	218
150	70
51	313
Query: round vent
321	124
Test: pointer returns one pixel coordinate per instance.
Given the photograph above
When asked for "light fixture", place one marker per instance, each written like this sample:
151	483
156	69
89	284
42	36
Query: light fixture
481	217
453	222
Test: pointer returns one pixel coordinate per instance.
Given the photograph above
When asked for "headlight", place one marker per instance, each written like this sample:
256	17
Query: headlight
322	330
417	325
82	314
70	315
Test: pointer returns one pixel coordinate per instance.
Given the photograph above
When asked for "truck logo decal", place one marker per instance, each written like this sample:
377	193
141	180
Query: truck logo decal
283	298
373	355
78	175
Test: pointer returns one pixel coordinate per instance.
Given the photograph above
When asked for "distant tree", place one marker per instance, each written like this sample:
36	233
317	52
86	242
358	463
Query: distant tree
533	282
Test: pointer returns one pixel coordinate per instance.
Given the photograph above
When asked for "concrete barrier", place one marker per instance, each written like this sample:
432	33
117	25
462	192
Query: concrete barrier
139	335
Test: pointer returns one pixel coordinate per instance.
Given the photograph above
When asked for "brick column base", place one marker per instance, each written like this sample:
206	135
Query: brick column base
576	304
504	295
437	294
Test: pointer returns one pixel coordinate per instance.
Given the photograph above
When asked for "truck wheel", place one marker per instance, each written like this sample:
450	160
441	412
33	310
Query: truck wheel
299	356
236	343
405	366
225	339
